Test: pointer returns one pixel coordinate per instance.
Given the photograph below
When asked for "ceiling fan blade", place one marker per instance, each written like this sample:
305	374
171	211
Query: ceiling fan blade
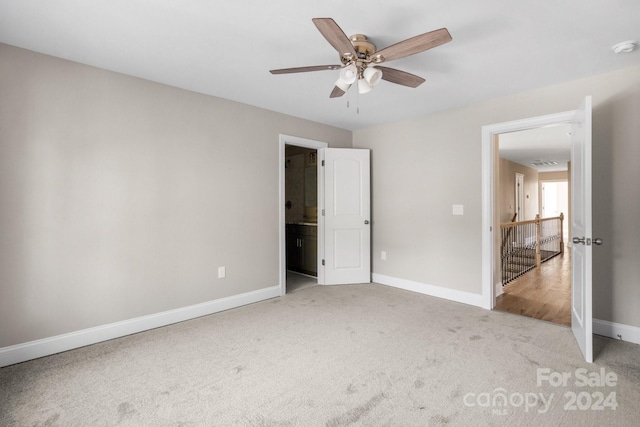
400	77
415	44
335	36
337	92
305	69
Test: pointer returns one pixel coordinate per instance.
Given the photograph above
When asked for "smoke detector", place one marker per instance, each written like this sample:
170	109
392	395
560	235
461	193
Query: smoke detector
625	47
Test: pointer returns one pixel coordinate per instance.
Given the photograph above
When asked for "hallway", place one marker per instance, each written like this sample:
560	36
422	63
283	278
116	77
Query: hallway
542	293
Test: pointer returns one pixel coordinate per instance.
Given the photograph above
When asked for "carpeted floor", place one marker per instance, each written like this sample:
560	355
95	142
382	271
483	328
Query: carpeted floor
362	355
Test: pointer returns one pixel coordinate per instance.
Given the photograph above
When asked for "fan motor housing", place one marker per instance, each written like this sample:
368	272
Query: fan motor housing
362	45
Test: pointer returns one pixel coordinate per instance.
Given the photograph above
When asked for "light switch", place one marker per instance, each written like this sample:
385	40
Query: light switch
458	209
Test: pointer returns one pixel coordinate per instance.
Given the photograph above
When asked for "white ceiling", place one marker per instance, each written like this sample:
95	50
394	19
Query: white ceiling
547	144
226	49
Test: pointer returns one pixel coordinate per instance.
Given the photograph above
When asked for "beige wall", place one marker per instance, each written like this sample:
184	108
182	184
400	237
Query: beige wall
420	167
553	176
506	192
121	197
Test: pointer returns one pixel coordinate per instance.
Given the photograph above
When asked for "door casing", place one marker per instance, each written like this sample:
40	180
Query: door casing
300	142
490	221
581	278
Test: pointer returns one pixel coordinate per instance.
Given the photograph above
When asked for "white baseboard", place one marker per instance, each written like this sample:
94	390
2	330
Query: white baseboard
434	291
56	344
616	331
47	346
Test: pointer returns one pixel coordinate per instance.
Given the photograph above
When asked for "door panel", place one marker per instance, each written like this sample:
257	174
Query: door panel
347	197
345	228
581	252
348	249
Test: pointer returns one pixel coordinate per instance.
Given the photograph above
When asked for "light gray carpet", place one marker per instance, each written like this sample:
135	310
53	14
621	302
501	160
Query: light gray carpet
366	355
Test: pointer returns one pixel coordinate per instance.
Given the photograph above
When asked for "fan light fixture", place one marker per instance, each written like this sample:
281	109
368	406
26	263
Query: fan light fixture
363	86
372	75
367	77
348	76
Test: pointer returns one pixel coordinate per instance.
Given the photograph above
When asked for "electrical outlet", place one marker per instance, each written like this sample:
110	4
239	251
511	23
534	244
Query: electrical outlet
383	255
458	209
222	273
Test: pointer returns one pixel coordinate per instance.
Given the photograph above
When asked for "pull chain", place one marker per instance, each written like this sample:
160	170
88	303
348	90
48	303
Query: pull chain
357	101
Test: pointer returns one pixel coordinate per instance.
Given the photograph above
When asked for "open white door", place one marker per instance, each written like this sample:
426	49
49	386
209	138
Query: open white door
581	250
344	216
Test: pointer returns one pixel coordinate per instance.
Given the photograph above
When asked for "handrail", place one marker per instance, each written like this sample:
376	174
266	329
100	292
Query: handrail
531	221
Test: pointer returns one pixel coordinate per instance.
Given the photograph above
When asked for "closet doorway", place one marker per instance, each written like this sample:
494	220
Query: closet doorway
298	212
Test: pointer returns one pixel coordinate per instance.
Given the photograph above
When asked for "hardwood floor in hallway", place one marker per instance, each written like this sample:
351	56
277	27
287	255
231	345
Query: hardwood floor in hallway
542	293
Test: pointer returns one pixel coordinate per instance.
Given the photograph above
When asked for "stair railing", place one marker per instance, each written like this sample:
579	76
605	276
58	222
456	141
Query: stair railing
527	244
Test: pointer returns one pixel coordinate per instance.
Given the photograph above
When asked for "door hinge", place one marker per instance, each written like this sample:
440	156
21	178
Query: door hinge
322	212
322	262
323	163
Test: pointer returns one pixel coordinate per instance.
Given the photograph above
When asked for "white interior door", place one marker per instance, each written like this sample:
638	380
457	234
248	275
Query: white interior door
581	250
344	217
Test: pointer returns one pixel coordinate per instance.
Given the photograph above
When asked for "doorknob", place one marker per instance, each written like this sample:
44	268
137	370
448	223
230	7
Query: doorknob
596	241
366	221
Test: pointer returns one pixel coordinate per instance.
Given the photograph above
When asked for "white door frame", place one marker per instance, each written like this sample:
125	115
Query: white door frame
489	220
519	193
300	142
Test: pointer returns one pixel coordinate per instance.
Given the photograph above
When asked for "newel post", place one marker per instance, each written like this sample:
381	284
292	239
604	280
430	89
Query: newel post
538	258
561	233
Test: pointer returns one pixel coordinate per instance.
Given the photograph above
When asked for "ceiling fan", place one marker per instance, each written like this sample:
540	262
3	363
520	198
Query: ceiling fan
360	60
